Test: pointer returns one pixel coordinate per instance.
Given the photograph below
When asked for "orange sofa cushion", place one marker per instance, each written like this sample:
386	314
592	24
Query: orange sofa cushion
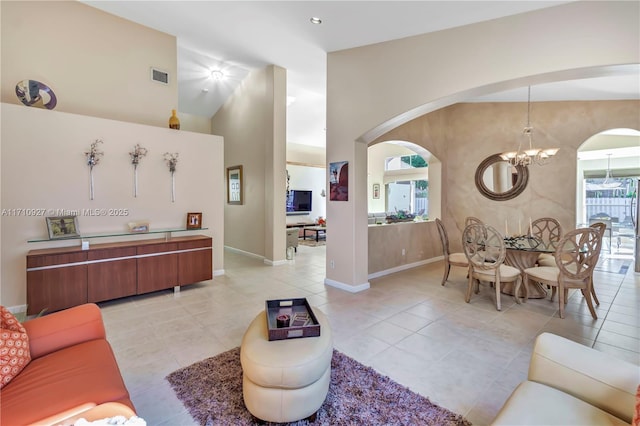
14	347
86	372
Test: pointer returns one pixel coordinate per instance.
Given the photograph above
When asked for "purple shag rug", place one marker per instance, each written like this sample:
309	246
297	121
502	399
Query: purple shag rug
212	392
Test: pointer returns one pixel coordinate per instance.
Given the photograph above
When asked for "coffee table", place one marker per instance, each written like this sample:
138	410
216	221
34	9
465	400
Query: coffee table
318	230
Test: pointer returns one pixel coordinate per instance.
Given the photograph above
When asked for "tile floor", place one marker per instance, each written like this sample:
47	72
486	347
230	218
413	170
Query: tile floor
465	357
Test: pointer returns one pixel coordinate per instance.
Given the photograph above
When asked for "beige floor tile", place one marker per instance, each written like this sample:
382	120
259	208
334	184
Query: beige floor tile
619	328
619	340
465	357
629	356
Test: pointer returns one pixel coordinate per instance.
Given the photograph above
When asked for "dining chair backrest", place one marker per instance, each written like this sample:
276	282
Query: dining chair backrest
547	230
483	246
578	252
599	226
444	238
471	220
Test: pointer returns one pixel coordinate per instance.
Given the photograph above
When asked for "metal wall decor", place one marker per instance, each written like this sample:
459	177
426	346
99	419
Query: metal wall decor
172	161
93	158
136	155
35	94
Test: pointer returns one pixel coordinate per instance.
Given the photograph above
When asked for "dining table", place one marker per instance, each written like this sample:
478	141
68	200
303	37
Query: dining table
522	252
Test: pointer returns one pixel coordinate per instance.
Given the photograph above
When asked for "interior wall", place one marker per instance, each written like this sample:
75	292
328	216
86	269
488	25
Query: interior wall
97	64
495	127
44	173
247	123
434	70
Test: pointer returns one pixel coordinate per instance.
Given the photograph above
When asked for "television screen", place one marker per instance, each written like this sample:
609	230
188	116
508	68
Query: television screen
299	201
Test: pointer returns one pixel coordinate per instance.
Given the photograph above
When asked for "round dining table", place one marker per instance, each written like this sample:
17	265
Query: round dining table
522	253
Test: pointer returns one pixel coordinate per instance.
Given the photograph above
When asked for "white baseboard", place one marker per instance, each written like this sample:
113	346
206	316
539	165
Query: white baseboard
245	253
404	267
276	262
347	287
218	272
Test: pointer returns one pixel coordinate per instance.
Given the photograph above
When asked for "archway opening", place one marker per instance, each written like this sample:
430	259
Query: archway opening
607	187
403	178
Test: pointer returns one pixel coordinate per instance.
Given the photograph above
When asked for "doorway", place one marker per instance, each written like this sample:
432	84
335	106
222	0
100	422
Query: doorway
607	188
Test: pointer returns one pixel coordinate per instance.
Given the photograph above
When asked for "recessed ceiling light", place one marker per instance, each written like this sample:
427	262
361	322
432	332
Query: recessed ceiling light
217	75
205	90
316	20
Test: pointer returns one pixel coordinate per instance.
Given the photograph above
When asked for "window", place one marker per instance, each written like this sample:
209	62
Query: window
410	195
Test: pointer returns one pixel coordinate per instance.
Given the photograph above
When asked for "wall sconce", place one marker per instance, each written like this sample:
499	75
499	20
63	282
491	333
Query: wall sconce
323	193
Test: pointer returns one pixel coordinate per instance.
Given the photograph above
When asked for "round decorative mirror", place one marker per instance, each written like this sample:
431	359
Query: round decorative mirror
498	180
35	94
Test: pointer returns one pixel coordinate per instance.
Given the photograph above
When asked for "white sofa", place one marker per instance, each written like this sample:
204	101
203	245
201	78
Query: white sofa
572	384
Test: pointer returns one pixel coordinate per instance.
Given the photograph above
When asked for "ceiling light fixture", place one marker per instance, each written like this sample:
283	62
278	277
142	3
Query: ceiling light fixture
217	75
315	20
532	155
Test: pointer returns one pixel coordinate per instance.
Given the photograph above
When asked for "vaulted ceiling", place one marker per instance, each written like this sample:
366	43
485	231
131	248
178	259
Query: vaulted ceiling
236	37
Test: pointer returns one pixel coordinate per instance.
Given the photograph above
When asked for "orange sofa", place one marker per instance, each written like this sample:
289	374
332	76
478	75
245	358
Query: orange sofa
73	373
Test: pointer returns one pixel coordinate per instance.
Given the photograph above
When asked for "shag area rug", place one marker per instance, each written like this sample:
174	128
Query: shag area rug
212	392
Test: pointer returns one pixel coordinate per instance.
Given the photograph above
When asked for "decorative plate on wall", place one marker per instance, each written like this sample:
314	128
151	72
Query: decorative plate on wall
35	94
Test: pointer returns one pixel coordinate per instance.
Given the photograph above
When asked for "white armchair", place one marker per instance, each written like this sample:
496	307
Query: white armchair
572	384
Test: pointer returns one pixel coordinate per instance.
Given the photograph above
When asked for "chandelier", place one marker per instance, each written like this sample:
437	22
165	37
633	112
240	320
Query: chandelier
530	155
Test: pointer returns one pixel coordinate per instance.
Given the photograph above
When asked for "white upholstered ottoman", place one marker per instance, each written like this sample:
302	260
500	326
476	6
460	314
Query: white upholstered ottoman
285	380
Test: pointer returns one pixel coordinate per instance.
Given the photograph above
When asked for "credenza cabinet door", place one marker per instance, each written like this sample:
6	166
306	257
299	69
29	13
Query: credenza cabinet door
59	278
157	271
56	283
111	274
196	263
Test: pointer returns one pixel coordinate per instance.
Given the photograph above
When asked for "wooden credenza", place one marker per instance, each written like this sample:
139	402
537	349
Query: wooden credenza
60	278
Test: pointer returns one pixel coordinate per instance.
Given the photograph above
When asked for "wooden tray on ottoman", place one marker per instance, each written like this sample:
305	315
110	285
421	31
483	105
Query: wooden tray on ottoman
293	308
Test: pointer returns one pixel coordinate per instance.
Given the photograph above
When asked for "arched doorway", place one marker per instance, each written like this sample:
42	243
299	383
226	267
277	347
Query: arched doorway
607	187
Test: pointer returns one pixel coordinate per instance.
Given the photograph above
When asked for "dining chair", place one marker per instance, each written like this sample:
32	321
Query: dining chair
576	257
470	220
450	259
549	231
485	251
600	227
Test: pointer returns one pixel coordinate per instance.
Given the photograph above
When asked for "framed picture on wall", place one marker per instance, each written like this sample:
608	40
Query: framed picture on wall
234	185
63	227
376	191
194	220
339	181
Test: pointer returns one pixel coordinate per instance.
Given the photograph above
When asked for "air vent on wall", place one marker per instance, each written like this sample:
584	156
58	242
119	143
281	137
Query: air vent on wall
159	76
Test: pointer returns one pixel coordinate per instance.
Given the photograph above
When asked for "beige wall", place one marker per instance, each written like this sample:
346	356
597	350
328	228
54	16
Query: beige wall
251	122
416	75
399	246
96	63
44	167
475	131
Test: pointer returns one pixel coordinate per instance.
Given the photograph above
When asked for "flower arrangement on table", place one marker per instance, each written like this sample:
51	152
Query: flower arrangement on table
522	242
322	222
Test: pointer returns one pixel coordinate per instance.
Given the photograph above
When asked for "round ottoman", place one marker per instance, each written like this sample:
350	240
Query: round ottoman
285	380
